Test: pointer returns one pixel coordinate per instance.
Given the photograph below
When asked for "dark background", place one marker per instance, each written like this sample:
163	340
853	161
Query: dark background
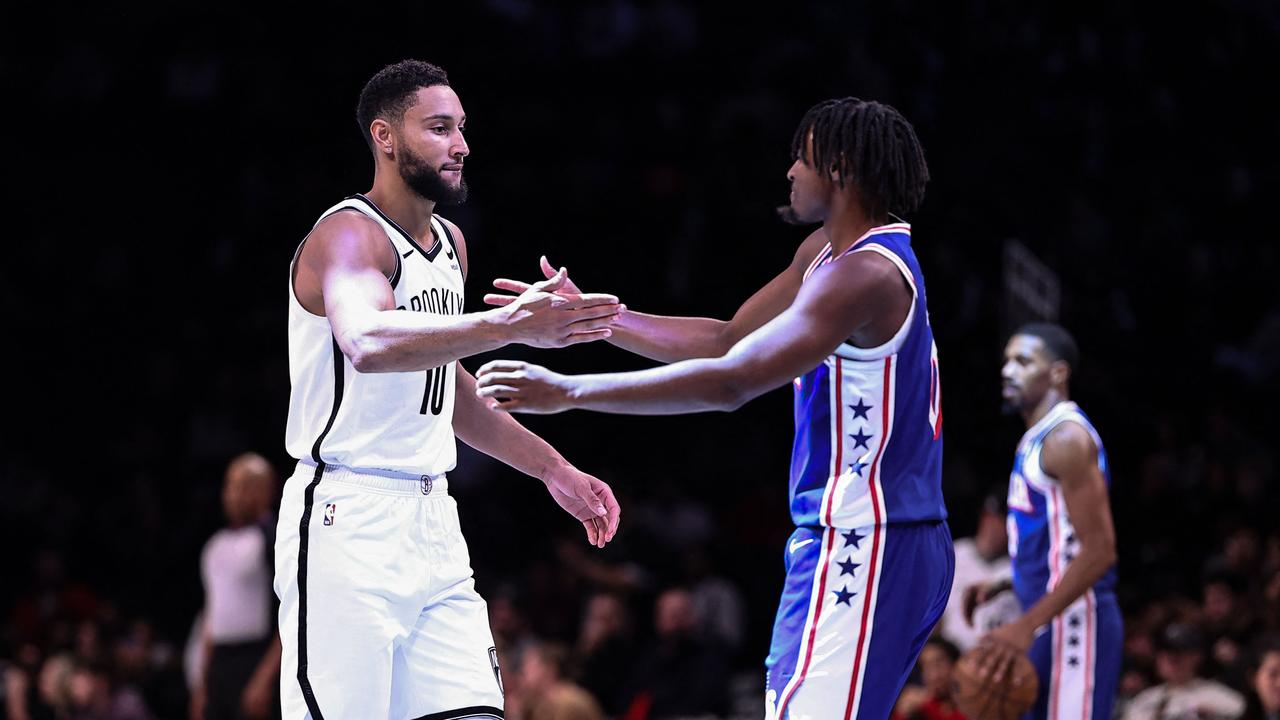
163	166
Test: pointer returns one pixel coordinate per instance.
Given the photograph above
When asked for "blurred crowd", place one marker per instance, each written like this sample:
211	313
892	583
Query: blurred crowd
581	637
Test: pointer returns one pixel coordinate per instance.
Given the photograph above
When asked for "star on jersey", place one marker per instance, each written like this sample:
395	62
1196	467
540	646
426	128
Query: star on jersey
847	567
860	440
860	410
857	468
852	538
843	595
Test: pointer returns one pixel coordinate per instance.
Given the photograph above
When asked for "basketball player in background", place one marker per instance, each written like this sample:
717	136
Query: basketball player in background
1061	538
870	562
379	616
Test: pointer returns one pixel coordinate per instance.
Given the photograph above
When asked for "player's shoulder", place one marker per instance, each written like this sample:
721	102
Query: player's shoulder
1067	445
347	222
1069	434
345	235
809	249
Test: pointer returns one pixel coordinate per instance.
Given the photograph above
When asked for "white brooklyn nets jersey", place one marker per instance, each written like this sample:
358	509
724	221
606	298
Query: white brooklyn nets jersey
398	421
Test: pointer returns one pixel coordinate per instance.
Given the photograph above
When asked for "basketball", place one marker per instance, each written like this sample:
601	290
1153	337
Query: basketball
981	699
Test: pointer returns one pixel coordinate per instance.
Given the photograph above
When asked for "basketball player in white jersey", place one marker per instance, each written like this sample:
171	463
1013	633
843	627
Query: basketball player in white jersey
379	617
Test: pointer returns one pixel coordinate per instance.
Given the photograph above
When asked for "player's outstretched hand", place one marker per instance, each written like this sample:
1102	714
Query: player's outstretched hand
568	288
515	286
542	315
514	386
587	498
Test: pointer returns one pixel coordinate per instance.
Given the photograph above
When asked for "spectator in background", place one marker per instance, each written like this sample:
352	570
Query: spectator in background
1183	693
716	601
680	675
241	648
1271	601
606	650
1241	557
54	600
980	560
508	623
932	699
1229	626
20	691
92	694
545	693
1264	681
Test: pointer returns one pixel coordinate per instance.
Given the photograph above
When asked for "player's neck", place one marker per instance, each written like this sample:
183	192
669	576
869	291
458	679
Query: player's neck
847	222
1050	400
410	210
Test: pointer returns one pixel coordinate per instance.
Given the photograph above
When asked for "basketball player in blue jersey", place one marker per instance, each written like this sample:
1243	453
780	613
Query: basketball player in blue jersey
1061	538
870	563
379	617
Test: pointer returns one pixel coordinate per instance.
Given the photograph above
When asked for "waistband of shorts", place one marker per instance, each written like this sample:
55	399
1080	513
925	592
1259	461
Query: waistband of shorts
894	525
385	480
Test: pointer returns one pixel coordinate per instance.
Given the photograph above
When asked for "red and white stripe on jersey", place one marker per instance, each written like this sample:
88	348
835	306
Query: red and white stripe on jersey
877	541
830	665
935	392
821	258
1071	674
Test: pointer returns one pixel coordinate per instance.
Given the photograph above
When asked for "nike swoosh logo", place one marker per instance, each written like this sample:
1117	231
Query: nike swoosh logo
797	545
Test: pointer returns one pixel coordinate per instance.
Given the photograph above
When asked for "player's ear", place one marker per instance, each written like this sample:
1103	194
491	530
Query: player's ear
1059	372
383	138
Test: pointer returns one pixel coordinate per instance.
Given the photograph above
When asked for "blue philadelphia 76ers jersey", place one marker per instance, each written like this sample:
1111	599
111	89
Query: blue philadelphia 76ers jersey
1042	541
868	442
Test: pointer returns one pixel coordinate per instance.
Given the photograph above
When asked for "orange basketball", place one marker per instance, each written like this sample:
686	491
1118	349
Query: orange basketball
982	699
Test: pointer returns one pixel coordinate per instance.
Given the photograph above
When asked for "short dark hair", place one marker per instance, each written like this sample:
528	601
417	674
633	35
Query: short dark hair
390	92
1057	341
869	144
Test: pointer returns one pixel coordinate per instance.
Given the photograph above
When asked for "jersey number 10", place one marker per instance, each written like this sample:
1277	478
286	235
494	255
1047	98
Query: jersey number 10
433	394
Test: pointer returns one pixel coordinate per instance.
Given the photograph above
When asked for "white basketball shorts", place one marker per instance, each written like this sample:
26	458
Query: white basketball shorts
379	617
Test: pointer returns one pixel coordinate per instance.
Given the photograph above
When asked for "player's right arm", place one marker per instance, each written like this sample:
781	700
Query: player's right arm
342	274
671	339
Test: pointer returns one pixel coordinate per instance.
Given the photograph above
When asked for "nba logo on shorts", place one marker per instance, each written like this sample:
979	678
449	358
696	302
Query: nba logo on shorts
497	674
329	509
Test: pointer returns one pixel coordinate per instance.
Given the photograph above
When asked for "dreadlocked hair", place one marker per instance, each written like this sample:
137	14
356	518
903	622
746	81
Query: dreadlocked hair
870	145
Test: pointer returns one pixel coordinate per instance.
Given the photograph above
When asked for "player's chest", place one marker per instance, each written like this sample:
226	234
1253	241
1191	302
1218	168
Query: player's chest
430	286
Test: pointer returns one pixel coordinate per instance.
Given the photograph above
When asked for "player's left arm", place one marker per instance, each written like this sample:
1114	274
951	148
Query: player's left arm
1071	456
498	435
838	300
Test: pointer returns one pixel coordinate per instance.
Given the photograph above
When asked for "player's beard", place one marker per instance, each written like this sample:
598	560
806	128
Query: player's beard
428	182
1011	405
789	215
